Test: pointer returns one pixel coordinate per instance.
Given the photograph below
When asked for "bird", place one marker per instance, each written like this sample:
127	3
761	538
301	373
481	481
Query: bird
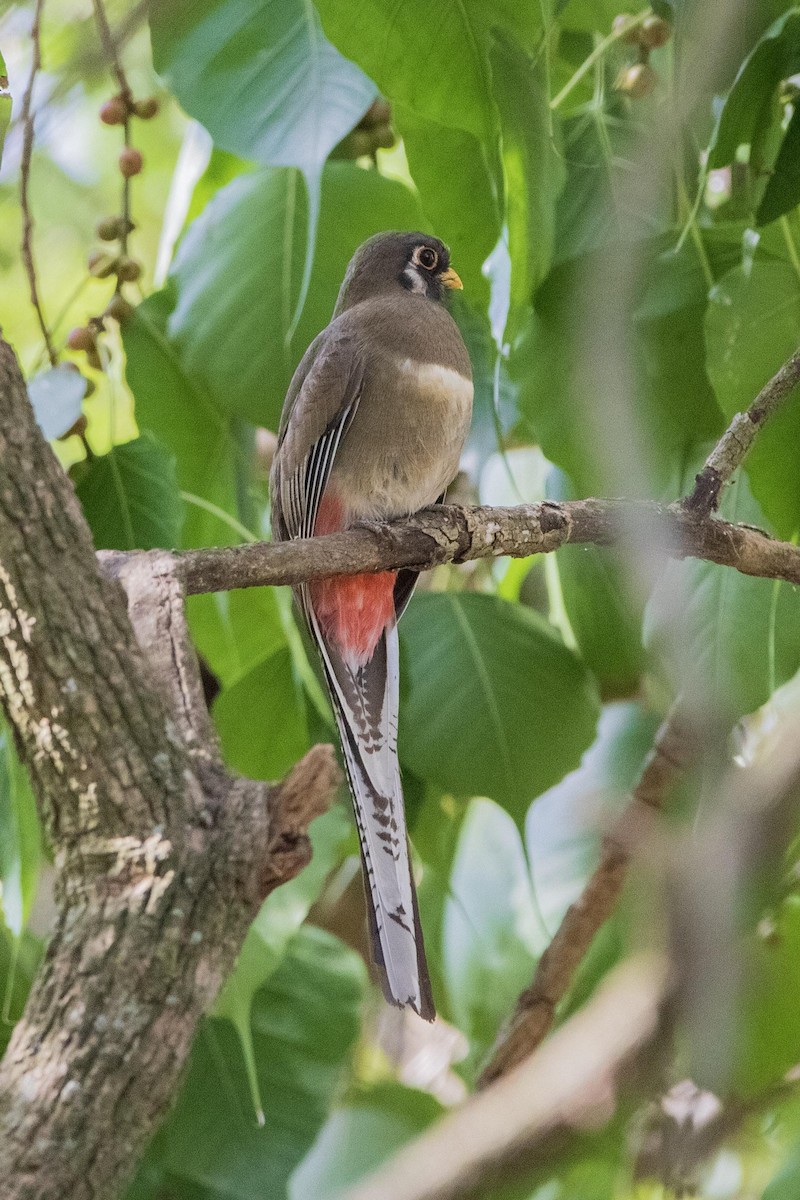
373	427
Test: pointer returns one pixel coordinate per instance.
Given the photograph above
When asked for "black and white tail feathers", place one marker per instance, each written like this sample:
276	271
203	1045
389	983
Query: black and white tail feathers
365	701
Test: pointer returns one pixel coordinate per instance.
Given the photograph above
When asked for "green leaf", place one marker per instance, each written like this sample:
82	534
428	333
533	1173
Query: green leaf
20	956
746	110
236	631
279	918
496	704
675	404
184	418
727	625
261	719
232	315
432	62
769	1028
56	396
564	826
459	168
361	1135
260	76
491	934
752	327
532	164
20	839
605	617
782	192
304	1023
265	82
130	497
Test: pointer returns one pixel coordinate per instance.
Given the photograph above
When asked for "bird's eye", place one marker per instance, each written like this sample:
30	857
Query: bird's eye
427	258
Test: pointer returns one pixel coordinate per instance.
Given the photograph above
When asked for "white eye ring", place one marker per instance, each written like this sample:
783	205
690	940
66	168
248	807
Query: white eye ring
426	257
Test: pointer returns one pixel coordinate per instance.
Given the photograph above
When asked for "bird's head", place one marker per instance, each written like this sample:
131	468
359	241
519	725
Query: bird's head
388	262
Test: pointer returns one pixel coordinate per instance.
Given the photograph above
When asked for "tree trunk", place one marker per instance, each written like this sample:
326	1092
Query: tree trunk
162	857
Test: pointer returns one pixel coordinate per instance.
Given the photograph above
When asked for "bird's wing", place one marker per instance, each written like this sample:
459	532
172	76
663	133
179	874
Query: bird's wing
365	698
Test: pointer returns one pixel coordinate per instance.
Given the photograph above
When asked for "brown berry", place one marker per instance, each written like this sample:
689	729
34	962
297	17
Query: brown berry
130	161
81	338
655	32
93	359
101	264
114	111
109	229
383	137
146	109
118	308
619	23
637	81
128	270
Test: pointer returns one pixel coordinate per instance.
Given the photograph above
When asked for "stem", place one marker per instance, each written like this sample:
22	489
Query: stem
598	52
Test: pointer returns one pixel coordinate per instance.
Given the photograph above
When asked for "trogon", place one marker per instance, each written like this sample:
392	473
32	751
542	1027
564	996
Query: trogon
373	427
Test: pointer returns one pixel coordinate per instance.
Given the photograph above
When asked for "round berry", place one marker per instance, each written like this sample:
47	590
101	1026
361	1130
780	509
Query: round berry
114	111
637	81
655	32
128	270
631	36
130	161
146	109
81	338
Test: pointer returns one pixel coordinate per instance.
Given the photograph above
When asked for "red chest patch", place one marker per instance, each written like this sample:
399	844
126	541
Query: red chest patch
353	610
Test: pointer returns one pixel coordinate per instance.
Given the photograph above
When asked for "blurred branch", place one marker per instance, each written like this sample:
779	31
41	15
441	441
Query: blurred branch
28	121
674	748
734	445
570	1085
111	53
450	533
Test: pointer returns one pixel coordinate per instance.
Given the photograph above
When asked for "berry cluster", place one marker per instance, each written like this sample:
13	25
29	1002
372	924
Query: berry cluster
650	32
116	262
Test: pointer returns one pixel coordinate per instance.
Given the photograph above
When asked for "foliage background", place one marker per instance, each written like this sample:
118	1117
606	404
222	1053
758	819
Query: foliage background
531	689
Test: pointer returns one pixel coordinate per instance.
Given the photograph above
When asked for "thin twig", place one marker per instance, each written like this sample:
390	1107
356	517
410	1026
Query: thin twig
538	1110
453	534
734	445
674	748
28	121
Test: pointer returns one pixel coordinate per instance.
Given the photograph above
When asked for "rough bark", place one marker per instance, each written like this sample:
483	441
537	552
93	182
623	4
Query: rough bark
162	857
450	533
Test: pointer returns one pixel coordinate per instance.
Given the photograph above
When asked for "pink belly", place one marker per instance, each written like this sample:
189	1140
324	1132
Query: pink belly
353	610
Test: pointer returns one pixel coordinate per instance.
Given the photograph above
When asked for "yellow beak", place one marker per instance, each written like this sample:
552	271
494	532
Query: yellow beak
451	280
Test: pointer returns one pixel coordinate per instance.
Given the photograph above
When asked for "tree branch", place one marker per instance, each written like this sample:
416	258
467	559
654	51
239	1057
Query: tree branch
531	1114
162	856
450	533
674	747
734	445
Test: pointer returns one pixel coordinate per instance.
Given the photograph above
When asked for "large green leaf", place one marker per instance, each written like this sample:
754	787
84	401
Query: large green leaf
130	497
605	617
675	405
458	168
359	1136
260	76
266	83
279	918
237	277
747	111
304	1022
261	719
491	933
184	418
20	839
752	327
726	637
496	705
431	58
532	164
